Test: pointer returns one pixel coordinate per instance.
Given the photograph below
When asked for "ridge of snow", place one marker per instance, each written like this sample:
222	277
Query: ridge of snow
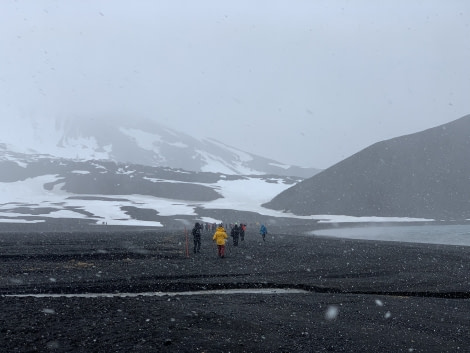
283	166
243	156
217	165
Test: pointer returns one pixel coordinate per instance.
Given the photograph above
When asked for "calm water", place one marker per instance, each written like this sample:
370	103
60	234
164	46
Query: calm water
432	234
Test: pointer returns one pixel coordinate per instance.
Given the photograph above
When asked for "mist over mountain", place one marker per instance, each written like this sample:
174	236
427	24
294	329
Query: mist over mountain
93	172
142	142
423	175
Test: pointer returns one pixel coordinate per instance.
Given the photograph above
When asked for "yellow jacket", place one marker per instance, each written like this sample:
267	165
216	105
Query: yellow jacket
220	235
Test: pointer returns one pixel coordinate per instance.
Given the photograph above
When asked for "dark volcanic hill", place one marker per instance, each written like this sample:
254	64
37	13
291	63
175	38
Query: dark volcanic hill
426	174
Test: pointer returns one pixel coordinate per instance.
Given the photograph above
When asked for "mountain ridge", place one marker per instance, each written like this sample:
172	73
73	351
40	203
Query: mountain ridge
424	175
144	142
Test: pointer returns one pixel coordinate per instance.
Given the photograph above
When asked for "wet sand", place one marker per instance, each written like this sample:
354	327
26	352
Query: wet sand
361	296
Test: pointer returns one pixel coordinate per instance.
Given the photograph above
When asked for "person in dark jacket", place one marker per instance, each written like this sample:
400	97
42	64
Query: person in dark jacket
235	233
196	232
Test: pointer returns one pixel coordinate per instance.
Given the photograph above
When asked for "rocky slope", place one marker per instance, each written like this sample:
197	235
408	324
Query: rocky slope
426	174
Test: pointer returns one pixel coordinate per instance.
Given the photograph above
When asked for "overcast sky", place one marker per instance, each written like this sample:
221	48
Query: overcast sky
303	82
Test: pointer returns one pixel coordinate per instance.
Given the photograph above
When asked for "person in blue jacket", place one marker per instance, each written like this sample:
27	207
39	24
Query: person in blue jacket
263	231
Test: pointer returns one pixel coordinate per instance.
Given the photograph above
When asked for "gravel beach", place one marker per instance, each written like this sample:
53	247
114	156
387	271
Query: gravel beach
129	290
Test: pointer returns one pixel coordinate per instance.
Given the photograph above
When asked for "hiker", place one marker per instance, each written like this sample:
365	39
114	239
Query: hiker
219	236
235	233
263	231
196	232
242	231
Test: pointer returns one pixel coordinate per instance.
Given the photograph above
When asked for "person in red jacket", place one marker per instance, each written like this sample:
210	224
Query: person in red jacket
242	231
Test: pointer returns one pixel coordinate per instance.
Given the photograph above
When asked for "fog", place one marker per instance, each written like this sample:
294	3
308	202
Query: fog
303	82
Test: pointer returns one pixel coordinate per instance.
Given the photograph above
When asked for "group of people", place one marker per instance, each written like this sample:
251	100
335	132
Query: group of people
220	236
238	232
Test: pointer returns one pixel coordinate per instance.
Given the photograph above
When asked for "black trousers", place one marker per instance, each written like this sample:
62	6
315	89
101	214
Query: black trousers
197	244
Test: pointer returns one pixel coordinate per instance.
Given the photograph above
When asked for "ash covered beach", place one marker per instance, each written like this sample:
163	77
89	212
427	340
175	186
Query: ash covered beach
119	289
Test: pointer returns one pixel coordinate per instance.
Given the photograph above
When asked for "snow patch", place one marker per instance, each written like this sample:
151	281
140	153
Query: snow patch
145	140
282	166
266	291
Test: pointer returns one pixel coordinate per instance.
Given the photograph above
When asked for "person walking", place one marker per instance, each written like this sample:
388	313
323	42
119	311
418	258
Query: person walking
220	237
196	232
263	231
235	233
242	231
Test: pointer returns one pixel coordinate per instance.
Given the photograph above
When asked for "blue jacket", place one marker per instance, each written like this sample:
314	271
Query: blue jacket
263	230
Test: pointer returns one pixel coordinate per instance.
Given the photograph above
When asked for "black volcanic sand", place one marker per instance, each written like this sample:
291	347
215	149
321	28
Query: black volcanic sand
362	296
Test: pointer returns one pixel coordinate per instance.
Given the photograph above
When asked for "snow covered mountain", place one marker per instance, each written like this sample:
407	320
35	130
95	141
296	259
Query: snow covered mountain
79	179
128	173
39	188
139	142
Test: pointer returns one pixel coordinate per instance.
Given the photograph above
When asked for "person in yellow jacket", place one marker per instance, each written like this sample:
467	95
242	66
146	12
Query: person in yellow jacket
220	236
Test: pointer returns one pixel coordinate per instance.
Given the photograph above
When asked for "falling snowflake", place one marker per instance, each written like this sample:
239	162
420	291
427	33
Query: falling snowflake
331	313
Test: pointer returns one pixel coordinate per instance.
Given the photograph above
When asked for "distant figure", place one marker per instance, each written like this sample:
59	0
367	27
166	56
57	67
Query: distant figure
242	231
235	233
219	236
263	231
197	237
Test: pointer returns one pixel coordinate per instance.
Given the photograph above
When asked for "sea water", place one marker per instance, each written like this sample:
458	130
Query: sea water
431	234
